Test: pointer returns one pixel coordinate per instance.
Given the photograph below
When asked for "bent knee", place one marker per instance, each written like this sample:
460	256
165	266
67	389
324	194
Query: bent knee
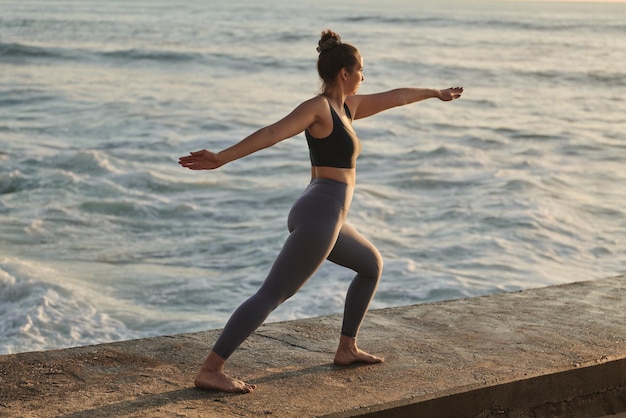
379	265
373	269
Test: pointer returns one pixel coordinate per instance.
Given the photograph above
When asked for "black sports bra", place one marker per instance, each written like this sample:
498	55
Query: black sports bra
339	149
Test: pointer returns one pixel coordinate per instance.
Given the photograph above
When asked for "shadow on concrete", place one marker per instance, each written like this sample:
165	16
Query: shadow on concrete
159	400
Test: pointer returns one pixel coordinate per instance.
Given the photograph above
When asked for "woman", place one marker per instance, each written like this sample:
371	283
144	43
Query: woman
317	221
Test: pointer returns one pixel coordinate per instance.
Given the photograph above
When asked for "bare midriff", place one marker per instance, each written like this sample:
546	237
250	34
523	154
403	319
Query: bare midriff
344	175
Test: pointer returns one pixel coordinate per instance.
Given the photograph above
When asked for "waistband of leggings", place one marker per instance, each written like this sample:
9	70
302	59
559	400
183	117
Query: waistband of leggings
337	189
322	180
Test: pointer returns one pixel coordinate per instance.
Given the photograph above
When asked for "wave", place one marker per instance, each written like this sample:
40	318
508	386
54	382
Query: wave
25	96
10	50
500	23
583	77
19	51
84	162
135	54
607	78
398	20
523	24
57	172
36	314
22	54
16	181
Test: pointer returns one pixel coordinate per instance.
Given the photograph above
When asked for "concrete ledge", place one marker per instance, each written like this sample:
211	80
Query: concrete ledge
552	352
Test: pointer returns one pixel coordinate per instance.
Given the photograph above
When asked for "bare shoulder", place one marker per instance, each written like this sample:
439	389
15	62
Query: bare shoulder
320	123
305	116
316	103
316	107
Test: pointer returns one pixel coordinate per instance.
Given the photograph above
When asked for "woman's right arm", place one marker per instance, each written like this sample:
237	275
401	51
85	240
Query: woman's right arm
297	121
369	104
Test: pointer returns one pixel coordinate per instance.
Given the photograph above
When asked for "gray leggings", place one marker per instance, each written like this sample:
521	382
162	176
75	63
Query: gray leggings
318	231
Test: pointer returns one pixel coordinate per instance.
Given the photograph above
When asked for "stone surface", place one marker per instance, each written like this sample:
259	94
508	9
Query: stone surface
555	351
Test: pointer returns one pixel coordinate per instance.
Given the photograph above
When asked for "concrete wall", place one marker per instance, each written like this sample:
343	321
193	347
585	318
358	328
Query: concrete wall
552	352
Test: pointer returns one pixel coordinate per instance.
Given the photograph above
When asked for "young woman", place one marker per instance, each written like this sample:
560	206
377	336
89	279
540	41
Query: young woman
317	221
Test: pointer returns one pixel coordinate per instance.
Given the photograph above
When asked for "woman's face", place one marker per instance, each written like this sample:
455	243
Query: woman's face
355	78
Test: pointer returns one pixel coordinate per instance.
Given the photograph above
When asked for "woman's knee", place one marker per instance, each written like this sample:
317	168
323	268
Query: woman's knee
372	267
379	265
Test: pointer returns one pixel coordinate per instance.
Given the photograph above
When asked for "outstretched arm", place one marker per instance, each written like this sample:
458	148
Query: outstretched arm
294	123
208	160
366	105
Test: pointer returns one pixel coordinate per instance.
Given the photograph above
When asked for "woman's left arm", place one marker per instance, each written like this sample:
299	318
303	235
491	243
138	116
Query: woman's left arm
364	105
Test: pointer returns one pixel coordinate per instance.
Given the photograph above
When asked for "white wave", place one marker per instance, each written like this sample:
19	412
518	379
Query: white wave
38	315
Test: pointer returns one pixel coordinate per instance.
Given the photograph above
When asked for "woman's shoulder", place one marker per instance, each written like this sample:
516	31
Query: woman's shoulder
316	113
317	101
317	105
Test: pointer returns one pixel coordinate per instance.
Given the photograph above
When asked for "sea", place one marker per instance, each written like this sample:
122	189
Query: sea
520	184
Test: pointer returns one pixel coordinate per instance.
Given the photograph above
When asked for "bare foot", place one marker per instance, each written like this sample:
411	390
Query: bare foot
349	353
212	377
222	382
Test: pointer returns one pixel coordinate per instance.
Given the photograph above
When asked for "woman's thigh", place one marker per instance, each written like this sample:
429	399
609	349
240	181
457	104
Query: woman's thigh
352	250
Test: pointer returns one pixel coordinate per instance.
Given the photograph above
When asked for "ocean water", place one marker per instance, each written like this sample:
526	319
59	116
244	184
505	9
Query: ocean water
103	237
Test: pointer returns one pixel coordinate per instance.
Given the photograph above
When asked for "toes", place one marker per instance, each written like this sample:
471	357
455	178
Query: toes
247	388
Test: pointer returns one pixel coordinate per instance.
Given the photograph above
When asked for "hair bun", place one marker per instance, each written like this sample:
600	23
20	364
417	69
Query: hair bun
328	41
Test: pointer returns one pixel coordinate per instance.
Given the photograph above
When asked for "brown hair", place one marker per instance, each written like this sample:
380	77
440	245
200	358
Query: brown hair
334	55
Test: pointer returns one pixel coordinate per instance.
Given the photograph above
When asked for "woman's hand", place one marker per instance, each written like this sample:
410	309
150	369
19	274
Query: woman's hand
201	160
450	94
